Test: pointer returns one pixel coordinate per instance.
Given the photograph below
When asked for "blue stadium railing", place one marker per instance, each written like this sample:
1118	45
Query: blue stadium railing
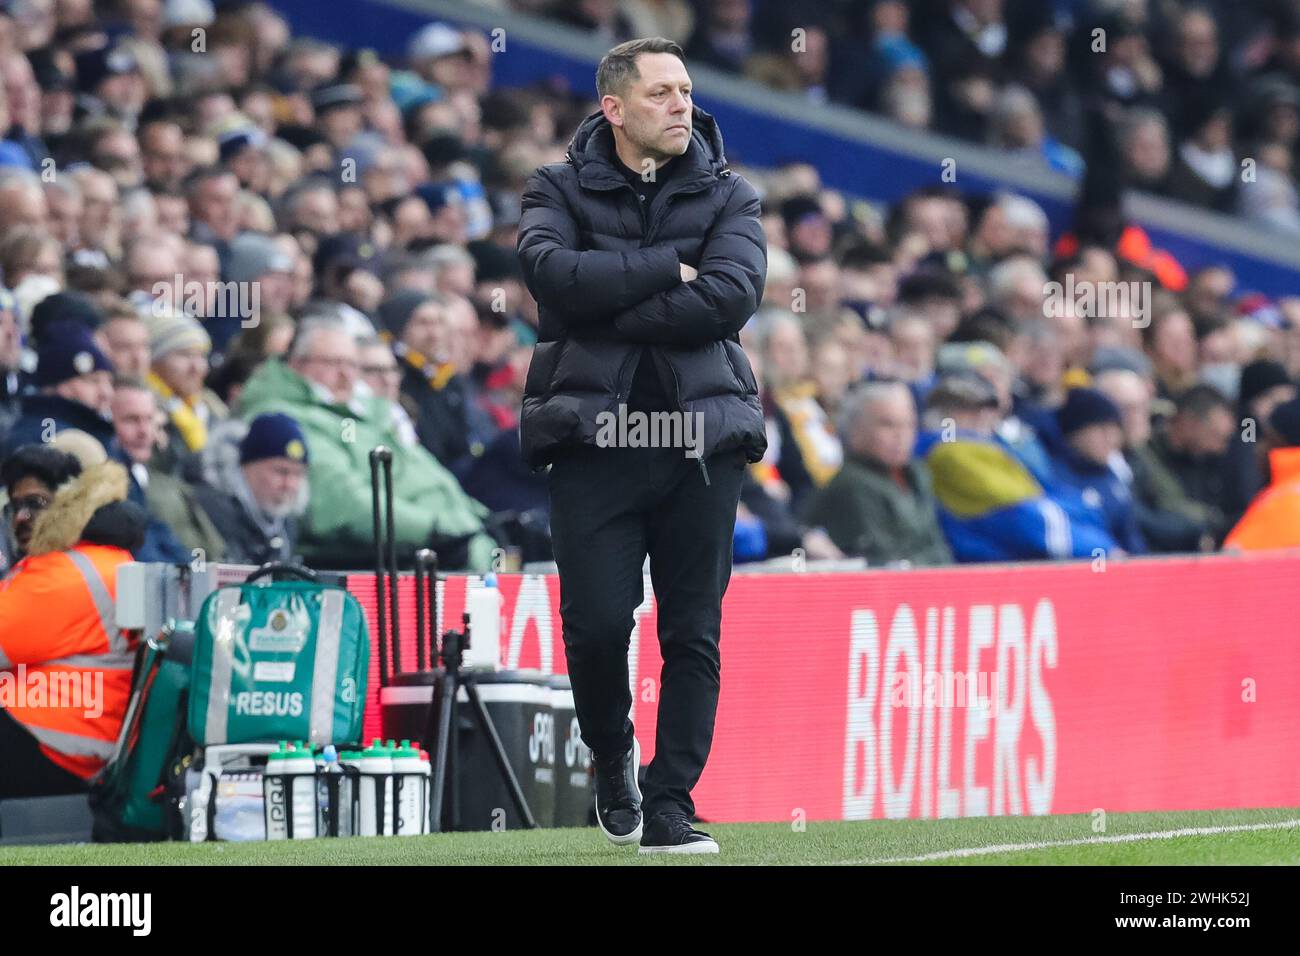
860	154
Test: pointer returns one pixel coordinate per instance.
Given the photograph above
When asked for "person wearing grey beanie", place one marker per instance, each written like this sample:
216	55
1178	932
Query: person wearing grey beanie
179	348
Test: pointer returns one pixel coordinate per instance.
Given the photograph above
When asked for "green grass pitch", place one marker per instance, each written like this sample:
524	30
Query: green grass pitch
1247	837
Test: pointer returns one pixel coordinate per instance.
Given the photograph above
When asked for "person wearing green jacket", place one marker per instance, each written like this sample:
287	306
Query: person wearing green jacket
879	505
316	385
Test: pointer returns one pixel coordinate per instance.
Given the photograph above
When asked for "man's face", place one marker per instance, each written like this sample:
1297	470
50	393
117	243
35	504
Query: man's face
1175	343
1098	442
163	148
462	334
127	343
98	205
886	430
214	204
654	109
340	125
275	483
94	390
318	211
118	155
331	362
173	214
787	354
27	498
427	331
1211	434
1132	395
832	372
379	369
64	216
201	264
135	423
183	370
148	268
913	348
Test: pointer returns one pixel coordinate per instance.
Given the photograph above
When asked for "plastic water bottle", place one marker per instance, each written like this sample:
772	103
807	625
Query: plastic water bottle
275	792
329	793
350	790
299	769
426	768
484	606
390	815
376	766
410	788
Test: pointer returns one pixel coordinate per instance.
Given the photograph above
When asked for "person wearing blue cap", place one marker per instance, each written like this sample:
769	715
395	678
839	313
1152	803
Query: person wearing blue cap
74	386
256	502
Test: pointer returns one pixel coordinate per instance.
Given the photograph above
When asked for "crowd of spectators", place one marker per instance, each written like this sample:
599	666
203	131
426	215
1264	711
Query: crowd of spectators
235	261
1190	88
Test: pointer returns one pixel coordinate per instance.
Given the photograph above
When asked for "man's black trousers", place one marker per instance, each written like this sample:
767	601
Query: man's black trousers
610	507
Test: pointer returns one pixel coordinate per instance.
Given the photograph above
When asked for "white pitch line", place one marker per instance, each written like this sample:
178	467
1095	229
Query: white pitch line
1086	841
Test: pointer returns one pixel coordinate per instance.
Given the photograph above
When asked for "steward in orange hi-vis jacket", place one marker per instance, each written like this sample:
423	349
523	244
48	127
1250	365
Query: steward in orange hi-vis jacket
1273	519
65	668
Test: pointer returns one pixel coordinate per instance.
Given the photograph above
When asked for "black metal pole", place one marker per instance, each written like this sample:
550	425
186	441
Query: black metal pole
446	714
499	754
392	562
381	611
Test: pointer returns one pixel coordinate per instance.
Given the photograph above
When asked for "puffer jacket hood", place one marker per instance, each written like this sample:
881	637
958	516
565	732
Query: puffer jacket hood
90	502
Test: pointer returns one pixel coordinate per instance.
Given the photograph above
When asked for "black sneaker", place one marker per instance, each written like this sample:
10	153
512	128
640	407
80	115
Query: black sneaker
671	832
618	798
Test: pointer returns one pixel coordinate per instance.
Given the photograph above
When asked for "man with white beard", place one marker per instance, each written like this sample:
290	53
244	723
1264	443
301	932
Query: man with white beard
255	503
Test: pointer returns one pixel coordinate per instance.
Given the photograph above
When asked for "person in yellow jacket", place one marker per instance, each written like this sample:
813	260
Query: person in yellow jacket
65	668
1273	518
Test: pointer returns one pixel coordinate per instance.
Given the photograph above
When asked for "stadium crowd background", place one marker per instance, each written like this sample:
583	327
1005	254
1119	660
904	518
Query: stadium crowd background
206	222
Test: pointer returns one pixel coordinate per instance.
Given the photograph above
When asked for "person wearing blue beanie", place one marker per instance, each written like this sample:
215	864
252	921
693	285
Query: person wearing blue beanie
273	435
1087	446
74	388
256	504
1083	408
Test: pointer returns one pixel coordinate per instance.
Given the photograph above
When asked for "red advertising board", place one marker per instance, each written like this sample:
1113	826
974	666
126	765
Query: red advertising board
1137	685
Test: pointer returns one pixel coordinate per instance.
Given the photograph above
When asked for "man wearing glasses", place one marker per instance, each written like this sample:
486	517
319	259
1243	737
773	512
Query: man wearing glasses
31	476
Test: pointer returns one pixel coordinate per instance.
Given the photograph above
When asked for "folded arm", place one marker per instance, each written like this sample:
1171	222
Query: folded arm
583	286
717	304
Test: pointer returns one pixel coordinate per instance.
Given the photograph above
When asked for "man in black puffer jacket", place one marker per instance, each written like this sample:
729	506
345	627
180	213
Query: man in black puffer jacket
646	256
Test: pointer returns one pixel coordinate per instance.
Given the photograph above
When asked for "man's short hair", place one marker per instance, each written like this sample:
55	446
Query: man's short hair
1200	400
48	465
195	180
307	330
129	383
618	67
862	397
